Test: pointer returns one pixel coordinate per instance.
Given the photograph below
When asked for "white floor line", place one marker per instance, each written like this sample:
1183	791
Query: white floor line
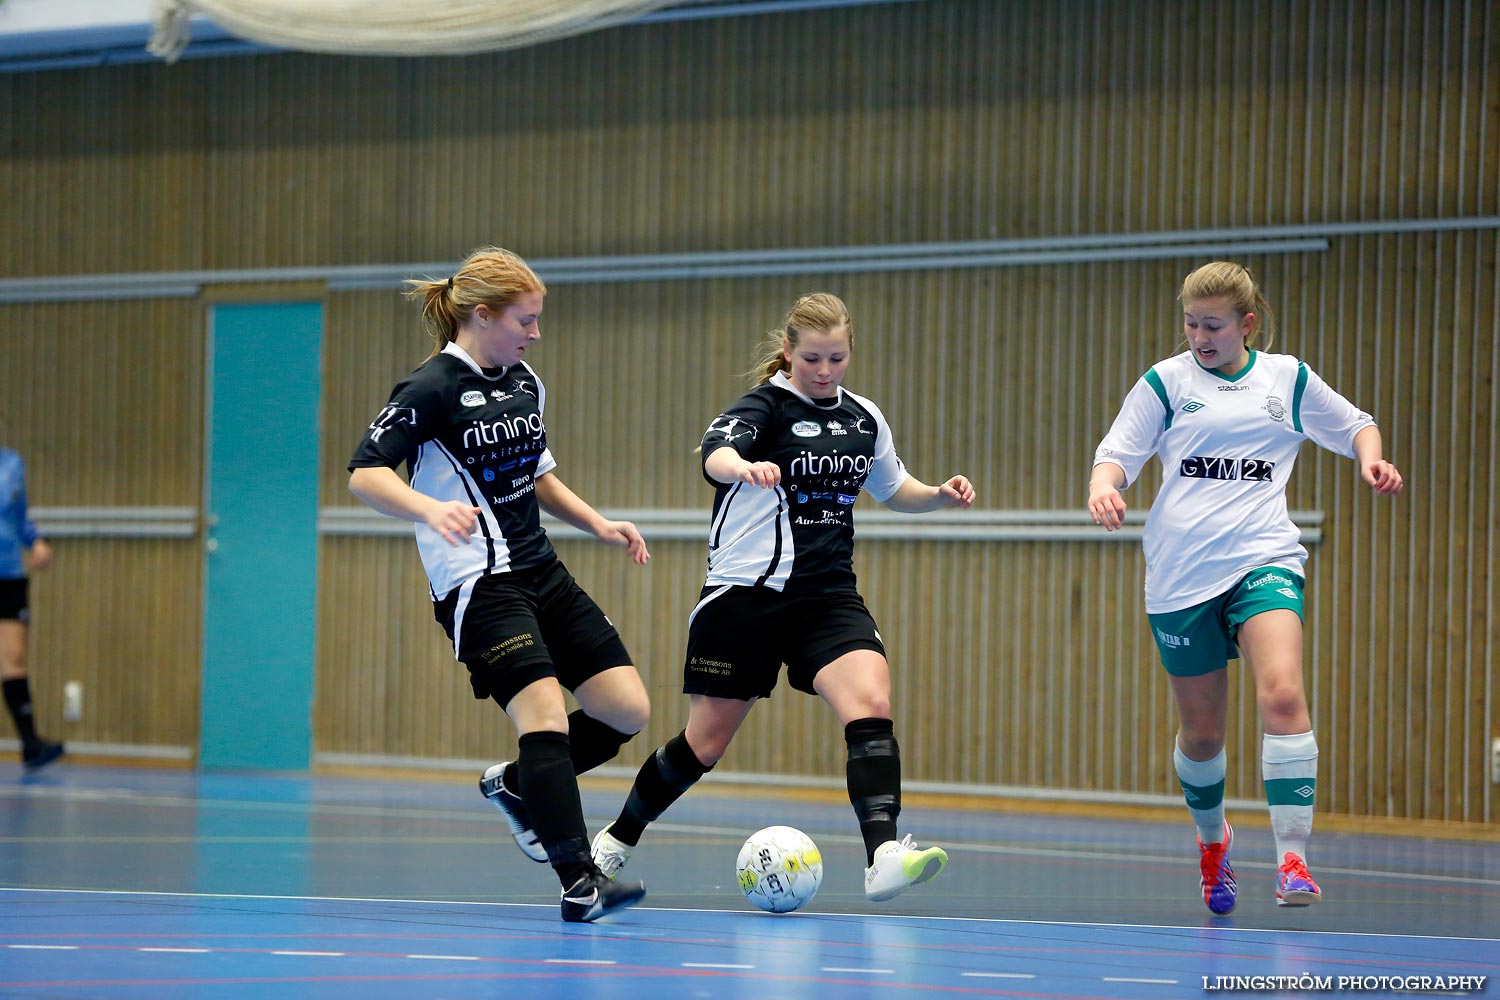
1003	921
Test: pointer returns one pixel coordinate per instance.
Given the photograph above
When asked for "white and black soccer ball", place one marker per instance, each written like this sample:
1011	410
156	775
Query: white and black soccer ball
780	869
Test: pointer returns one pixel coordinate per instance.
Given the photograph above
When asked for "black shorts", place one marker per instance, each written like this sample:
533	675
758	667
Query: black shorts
14	605
515	628
738	638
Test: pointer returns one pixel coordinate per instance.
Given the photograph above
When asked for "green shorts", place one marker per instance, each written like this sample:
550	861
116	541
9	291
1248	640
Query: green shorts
1201	639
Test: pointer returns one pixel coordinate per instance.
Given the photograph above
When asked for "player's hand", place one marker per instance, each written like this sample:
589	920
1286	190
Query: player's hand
41	554
762	474
956	492
623	534
454	520
1383	476
1106	505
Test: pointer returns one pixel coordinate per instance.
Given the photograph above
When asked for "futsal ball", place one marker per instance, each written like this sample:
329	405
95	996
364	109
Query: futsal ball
780	869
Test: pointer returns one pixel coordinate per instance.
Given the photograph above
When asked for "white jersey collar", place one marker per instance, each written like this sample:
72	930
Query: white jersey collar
463	355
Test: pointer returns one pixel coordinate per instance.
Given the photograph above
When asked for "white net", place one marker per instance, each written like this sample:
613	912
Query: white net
393	27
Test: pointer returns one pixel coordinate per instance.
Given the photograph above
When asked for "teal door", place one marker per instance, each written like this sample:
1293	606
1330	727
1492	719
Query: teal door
260	571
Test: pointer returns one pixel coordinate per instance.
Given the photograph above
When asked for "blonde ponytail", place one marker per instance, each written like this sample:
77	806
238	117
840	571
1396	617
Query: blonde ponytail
489	276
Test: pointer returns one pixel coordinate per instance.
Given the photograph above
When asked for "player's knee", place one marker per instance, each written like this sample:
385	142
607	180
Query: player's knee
632	714
866	706
710	747
1202	744
1282	702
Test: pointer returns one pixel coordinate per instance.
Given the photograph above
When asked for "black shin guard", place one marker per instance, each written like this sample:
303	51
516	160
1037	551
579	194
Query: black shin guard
593	743
18	700
667	773
550	789
874	776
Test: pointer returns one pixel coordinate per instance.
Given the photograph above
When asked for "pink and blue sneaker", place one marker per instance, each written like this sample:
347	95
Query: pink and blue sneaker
1294	886
1215	876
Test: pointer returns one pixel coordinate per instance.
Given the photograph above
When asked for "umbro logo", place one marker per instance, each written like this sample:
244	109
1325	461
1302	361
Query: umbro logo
1306	791
1193	407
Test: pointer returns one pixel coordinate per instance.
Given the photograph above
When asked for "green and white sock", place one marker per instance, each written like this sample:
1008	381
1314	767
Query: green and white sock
1203	787
1289	766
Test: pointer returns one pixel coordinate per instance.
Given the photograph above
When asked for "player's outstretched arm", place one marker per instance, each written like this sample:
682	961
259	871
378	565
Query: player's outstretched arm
384	491
565	505
915	497
725	465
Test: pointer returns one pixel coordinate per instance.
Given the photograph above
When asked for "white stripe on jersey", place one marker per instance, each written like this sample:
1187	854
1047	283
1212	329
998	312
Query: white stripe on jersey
745	510
449	565
887	471
465	592
703	603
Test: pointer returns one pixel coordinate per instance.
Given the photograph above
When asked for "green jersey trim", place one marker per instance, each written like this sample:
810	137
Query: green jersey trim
1154	381
1297	397
1230	378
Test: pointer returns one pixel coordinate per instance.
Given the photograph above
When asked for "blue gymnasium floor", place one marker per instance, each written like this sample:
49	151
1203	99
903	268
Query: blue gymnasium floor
121	884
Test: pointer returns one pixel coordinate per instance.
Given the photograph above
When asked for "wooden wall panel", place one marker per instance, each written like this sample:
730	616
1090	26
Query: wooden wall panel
104	400
120	617
100	171
944	120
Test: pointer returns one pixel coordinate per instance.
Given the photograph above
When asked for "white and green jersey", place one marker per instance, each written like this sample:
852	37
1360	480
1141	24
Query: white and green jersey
1227	445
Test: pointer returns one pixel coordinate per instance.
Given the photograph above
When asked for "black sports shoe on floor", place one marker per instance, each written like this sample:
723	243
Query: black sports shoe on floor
593	895
41	754
514	811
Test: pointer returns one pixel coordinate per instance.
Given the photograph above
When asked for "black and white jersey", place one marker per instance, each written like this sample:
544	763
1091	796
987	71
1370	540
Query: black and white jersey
799	535
474	435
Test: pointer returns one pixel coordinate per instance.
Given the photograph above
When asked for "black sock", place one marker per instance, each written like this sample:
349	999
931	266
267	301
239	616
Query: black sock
591	743
551	792
18	700
874	776
662	779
